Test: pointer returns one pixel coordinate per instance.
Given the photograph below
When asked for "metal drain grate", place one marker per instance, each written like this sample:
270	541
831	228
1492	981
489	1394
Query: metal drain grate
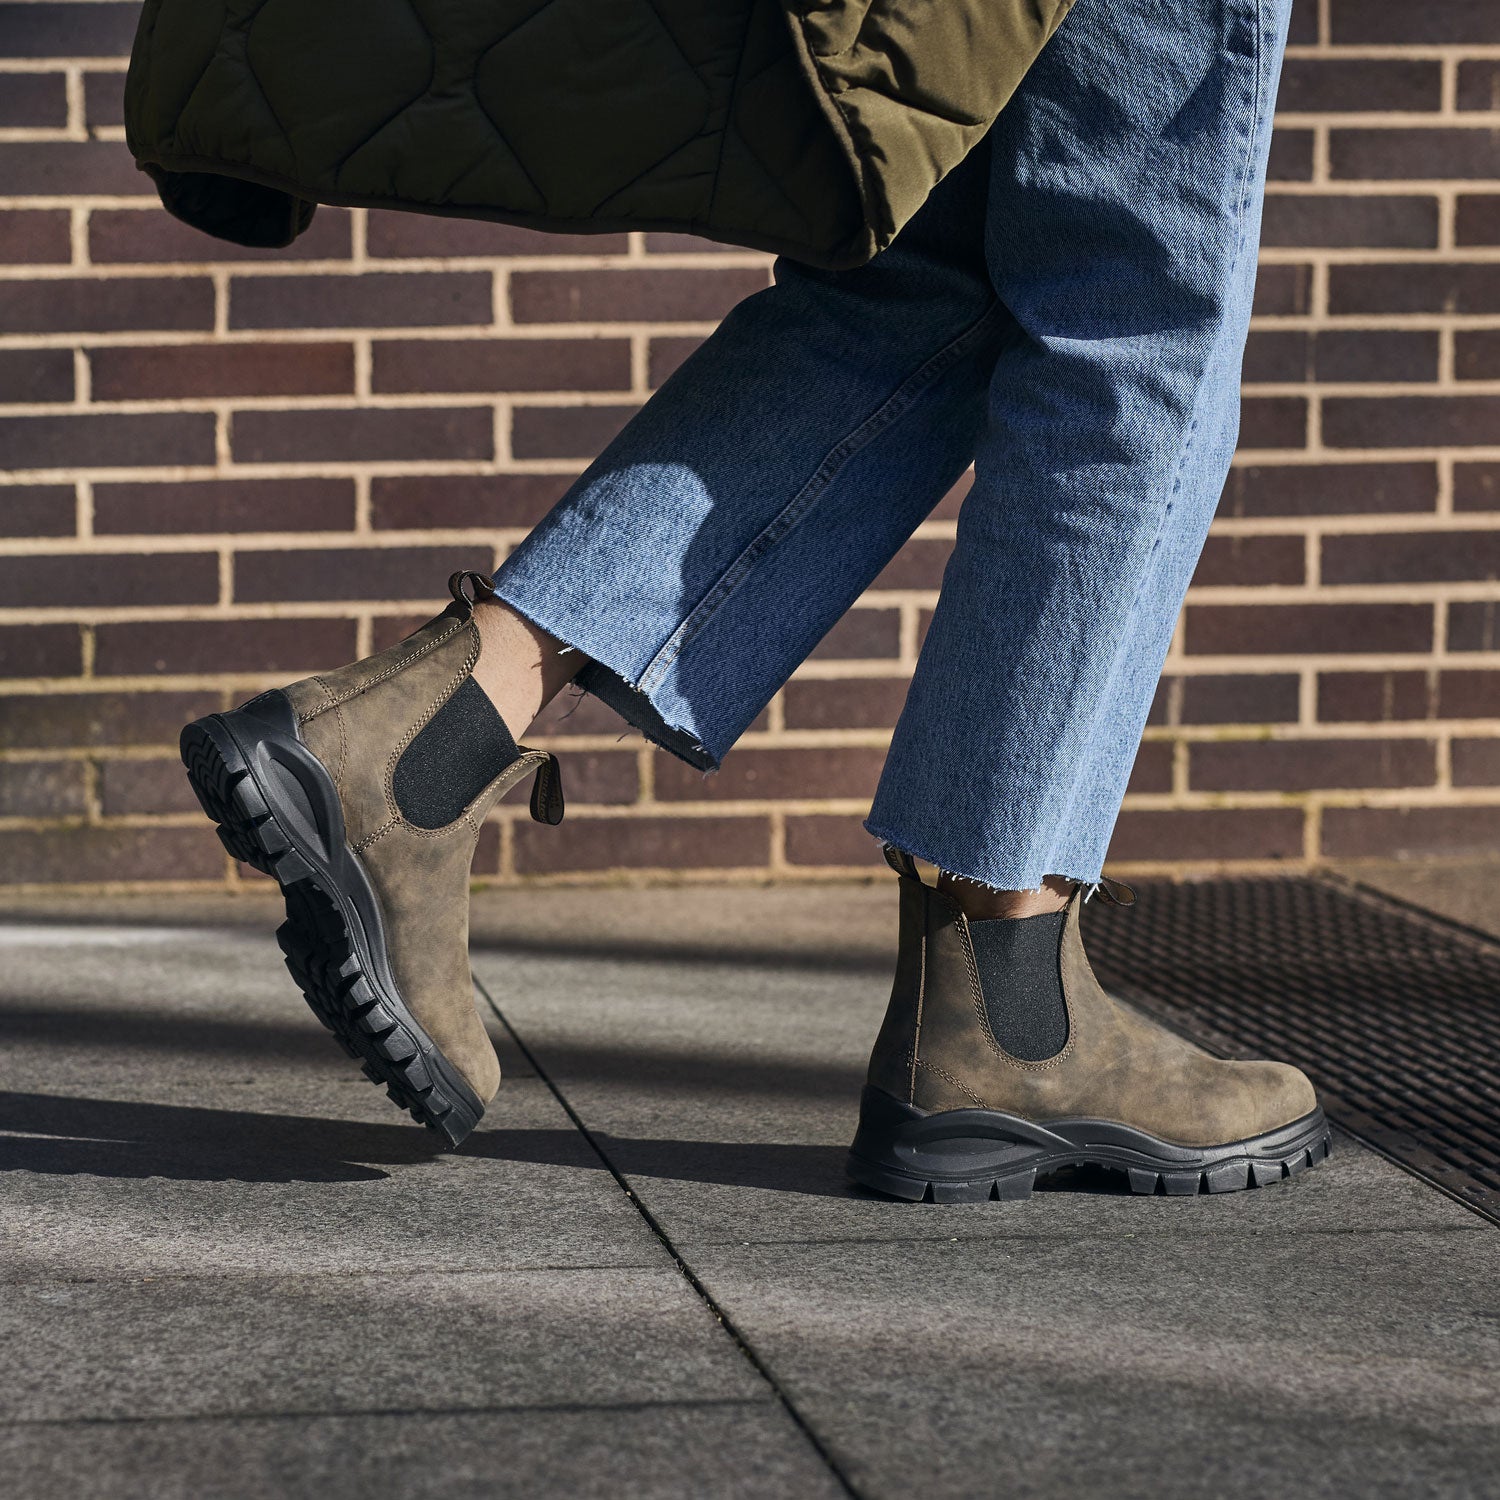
1394	1015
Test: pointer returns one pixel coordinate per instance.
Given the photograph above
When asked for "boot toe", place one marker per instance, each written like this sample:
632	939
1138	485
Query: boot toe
1279	1094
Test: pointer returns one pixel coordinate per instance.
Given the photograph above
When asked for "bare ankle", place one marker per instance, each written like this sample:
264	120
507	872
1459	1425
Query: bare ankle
979	902
521	668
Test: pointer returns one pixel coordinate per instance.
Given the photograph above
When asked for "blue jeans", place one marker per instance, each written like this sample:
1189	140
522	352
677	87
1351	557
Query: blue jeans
1067	312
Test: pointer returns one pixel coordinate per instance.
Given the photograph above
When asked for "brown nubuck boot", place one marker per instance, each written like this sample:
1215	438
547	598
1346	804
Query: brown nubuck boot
1002	1059
362	792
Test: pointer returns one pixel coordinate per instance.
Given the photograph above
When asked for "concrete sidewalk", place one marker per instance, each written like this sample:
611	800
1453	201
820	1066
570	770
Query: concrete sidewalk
231	1269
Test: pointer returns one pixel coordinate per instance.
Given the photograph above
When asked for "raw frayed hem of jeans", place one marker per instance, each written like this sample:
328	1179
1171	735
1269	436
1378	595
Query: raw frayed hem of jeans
1090	884
636	708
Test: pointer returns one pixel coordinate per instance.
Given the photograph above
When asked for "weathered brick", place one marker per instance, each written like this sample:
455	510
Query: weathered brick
39	651
665	355
362	434
54	29
1409	832
33	101
35	236
1476	762
918	565
1412	422
352	572
1476	486
861	635
38	510
1393	22
107	440
77	854
1273	422
1476	219
1479	84
1474	625
1329	489
1469	694
70	169
565	431
188	371
1239	698
36	375
1291	158
70	304
132	648
754	774
421	236
631	296
43	788
1390	153
136	787
1375	697
137	236
1283	290
830	840
1476	354
1415	287
429	366
1152	769
670	843
105	578
1329	220
209	506
1243	561
1216	833
1307	765
1359	85
1256	629
847	703
63	721
1411	557
373	299
410	502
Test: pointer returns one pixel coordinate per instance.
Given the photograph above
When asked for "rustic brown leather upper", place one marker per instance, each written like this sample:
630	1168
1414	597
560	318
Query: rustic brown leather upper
937	1052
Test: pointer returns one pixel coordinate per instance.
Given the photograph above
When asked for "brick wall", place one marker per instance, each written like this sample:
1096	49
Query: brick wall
227	468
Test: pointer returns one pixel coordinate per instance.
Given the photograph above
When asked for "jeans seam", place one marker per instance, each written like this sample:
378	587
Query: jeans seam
893	407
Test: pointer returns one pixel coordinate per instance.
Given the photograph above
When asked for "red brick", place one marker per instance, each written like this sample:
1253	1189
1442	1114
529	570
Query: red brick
918	565
39	651
1329	489
665	355
130	236
828	840
861	635
133	303
1375	354
1152	770
1469	694
1372	155
34	101
1476	762
217	505
362	434
79	854
70	169
1303	31
630	296
1359	85
1375	697
352	573
126	373
38	510
421	236
135	787
105	578
1477	219
1412	557
664	243
1306	765
58	721
1216	833
565	431
1409	832
1479	84
1476	354
1273	422
294	647
1291	158
103	100
1243	561
43	789
1415	287
429	366
107	440
674	843
1239	698
33	236
1476	486
1283	290
753	774
490	501
593	778
373	299
36	375
575	712
1393	22
1411	422
1277	354
847	703
1474	626
54	29
1255	629
1399	222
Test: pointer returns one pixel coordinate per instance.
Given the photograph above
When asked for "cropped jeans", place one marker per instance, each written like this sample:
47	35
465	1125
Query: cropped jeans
1067	312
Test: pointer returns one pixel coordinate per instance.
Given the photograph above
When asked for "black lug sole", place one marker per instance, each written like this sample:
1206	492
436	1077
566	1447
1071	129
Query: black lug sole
278	811
974	1155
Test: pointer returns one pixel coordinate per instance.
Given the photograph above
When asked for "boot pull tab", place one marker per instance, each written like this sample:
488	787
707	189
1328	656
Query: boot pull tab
547	792
900	861
1111	890
458	586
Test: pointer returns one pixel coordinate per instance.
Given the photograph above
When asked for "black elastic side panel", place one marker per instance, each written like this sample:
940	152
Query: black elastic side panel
1022	983
457	753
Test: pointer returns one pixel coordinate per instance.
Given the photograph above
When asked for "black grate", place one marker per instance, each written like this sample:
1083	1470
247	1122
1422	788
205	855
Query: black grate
1394	1015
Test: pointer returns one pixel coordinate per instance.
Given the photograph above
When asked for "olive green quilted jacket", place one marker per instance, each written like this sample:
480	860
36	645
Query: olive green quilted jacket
814	128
